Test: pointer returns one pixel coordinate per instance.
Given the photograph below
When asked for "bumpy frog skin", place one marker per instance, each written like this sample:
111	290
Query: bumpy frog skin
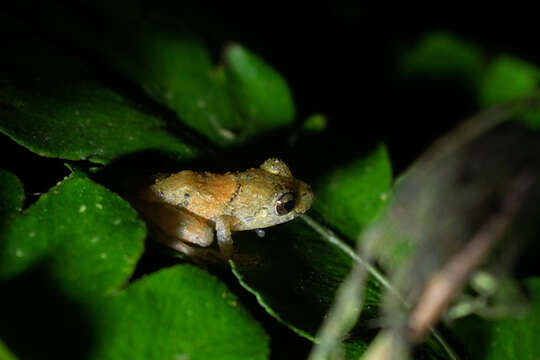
186	207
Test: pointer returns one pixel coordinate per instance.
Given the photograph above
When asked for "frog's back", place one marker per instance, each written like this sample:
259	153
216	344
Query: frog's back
204	194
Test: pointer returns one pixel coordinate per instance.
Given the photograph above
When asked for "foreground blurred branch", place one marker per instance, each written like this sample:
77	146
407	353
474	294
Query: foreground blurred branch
447	283
438	229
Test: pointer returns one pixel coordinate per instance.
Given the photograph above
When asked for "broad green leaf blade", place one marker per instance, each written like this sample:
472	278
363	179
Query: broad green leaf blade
259	92
443	55
309	270
77	243
510	338
174	67
54	107
178	313
176	70
5	354
315	123
84	237
11	195
508	79
351	196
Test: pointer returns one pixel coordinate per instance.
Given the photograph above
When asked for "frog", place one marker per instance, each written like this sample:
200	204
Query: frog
184	210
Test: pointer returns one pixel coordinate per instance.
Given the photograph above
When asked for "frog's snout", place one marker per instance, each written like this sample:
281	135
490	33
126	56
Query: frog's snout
306	197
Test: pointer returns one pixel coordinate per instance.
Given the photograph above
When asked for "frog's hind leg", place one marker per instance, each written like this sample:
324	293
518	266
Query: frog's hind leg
196	254
177	228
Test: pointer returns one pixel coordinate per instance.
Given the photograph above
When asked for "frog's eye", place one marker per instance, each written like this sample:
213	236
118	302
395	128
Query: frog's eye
285	204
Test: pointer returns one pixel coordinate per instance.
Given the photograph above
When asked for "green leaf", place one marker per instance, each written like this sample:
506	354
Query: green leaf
87	238
54	107
177	71
510	338
178	313
5	353
78	242
174	67
309	270
443	55
351	196
508	79
12	195
315	123
62	263
259	92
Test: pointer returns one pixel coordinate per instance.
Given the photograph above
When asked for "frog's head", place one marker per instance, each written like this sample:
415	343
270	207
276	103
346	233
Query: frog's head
270	195
294	196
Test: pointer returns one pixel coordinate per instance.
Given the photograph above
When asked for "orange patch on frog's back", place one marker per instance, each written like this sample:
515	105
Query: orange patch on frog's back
208	193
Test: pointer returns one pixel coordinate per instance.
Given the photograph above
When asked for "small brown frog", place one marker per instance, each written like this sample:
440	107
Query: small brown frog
185	208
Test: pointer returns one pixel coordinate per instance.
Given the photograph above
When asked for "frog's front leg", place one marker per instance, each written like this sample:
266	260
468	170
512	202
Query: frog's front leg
223	234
